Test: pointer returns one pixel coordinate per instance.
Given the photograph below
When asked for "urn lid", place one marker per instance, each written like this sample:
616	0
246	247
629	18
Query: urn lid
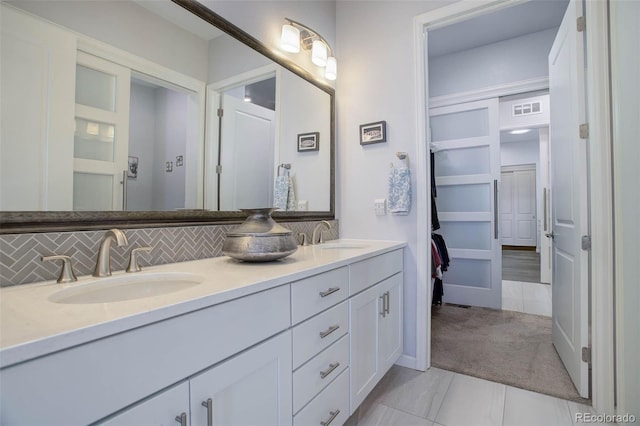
259	223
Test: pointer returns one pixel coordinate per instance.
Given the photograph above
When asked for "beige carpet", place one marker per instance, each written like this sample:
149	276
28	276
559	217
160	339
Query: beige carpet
502	346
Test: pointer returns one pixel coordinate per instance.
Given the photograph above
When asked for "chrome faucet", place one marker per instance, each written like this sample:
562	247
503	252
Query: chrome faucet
319	239
103	263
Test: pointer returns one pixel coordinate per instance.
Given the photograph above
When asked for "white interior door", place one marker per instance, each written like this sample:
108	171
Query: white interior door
36	141
466	142
518	207
569	189
101	140
246	155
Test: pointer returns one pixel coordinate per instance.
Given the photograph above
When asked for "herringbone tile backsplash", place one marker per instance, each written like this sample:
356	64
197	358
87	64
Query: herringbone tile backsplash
20	253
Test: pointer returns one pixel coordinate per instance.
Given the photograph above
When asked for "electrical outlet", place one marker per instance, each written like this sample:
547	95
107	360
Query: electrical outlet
380	206
303	205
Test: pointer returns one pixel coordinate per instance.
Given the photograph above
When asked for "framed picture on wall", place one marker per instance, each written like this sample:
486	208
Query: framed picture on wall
309	141
373	132
132	171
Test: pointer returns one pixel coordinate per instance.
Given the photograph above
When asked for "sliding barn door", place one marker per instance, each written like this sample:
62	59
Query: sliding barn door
466	142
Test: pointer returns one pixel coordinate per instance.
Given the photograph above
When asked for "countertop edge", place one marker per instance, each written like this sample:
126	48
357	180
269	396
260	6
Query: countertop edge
50	344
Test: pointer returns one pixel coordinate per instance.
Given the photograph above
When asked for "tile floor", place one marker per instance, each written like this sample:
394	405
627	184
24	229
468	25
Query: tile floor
438	397
530	298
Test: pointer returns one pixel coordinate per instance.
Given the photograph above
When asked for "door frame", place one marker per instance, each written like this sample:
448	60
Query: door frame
600	188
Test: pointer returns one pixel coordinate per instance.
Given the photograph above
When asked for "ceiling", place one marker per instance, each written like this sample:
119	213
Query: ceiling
529	17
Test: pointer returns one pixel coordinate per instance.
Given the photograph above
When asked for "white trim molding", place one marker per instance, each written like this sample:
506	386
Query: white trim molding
531	85
600	206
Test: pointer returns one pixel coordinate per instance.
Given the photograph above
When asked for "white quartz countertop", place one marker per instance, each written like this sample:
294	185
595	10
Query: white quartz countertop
31	325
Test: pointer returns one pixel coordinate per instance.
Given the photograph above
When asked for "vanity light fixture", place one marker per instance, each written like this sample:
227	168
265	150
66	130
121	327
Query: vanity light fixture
294	33
520	131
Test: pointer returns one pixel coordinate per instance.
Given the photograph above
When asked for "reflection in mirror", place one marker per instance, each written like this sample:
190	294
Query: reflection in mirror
123	125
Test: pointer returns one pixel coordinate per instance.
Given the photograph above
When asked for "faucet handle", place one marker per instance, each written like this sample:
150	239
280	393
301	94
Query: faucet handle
133	259
66	273
302	239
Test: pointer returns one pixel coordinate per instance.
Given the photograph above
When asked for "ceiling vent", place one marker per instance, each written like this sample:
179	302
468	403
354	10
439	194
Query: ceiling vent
528	108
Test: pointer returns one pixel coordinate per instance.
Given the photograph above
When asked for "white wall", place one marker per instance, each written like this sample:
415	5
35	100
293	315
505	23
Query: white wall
300	113
142	136
169	187
625	16
516	59
375	82
129	27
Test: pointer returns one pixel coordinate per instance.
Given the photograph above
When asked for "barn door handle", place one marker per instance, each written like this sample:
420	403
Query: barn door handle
495	209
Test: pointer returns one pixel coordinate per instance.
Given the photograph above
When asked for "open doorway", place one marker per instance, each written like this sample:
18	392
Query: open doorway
468	75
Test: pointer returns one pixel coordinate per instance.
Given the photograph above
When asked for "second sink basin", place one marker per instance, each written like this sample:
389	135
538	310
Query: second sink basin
125	287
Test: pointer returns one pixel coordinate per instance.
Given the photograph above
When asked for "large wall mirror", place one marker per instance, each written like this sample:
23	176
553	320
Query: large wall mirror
153	113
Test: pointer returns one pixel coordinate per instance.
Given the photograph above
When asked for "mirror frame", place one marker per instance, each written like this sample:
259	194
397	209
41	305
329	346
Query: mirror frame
54	221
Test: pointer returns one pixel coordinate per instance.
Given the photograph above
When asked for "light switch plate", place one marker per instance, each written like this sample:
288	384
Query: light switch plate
380	206
303	205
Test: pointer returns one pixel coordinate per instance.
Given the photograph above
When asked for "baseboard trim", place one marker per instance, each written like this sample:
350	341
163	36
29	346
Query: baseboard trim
522	248
407	361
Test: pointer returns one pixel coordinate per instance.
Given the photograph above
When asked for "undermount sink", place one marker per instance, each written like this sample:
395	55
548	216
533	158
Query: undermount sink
343	245
125	287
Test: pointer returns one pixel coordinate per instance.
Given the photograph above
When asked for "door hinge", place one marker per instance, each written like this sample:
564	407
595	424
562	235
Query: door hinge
584	131
220	112
585	242
586	355
219	169
581	24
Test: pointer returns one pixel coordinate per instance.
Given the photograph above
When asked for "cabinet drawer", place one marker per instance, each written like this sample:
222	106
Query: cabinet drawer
368	272
316	374
317	333
331	407
146	359
315	294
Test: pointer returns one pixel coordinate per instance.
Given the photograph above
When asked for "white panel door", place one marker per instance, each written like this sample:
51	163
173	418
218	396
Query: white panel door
518	207
101	142
36	142
466	142
246	155
569	189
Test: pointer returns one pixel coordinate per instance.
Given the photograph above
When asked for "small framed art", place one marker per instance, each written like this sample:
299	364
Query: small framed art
373	133
309	141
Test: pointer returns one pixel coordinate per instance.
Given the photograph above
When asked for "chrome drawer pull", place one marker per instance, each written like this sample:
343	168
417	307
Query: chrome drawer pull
208	404
328	371
334	414
182	419
329	330
330	291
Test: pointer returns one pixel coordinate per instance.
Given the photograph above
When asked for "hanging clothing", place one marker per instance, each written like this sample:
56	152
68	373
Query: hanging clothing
442	250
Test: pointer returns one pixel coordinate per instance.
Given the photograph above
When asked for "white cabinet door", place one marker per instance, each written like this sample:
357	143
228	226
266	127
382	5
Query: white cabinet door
390	341
164	409
252	388
376	335
365	308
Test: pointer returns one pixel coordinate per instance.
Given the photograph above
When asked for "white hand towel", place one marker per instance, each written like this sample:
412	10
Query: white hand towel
281	192
291	197
400	191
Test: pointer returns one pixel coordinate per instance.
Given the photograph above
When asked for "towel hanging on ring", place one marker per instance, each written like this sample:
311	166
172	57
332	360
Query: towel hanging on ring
400	191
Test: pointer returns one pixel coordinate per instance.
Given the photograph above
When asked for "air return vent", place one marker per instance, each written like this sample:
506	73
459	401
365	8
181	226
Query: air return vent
526	109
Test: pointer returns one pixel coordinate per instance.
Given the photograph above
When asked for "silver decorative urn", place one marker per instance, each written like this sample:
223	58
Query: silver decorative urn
259	238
